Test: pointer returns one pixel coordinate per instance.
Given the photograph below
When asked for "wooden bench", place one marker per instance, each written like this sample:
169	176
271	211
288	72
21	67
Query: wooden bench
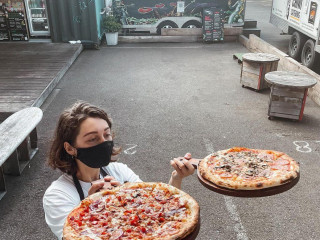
18	142
254	68
288	93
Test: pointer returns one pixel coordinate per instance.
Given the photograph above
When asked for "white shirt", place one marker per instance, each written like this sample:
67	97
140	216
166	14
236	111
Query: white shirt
62	196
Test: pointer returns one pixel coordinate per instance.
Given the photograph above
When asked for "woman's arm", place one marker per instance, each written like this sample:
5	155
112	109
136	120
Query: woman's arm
183	168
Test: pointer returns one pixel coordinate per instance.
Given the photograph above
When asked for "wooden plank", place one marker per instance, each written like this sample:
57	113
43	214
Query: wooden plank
15	129
13	79
181	32
274	114
7	109
260	57
285	108
38	102
265	69
29	68
248	82
253	68
140	39
19	92
248	79
12	99
290	79
30	71
252	76
254	72
273	66
284	99
232	31
288	92
7	47
22	83
315	95
228	31
29	75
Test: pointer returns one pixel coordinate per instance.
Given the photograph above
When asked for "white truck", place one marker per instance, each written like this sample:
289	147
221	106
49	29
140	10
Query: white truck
300	19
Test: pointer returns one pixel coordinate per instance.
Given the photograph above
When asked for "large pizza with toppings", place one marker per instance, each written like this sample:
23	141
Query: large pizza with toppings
134	211
248	169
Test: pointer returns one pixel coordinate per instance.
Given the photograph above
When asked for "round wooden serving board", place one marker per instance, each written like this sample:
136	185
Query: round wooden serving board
243	193
248	193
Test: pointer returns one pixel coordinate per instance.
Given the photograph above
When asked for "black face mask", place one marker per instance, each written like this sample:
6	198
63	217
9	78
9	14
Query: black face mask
97	156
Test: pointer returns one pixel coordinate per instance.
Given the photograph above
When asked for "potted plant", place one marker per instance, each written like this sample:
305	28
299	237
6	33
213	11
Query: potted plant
111	29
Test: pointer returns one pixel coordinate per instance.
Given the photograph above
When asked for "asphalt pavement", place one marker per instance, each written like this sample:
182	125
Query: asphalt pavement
166	100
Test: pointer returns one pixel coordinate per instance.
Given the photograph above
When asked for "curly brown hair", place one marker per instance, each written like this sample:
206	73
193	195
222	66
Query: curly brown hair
67	130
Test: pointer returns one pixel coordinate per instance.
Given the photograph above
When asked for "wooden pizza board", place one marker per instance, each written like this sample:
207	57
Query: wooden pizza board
244	193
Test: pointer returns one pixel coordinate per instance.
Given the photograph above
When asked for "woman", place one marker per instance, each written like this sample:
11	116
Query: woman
82	149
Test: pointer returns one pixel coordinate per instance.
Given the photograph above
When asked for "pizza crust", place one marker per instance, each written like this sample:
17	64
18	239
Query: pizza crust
237	182
187	227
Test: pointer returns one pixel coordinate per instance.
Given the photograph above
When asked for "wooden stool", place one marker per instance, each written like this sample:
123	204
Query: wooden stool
288	93
254	68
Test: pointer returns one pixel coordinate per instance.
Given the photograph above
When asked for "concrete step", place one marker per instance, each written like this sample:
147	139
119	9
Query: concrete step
248	31
250	23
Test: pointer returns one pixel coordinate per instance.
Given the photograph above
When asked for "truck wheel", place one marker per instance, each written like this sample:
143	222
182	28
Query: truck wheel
296	43
192	24
166	24
308	56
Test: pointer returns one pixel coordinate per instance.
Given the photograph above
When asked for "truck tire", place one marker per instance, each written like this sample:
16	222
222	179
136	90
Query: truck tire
296	43
192	24
166	24
308	55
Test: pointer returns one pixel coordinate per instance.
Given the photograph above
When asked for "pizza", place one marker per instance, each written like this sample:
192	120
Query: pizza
248	169
134	211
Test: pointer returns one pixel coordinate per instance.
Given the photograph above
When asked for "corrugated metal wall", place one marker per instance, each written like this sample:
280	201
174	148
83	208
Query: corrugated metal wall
75	20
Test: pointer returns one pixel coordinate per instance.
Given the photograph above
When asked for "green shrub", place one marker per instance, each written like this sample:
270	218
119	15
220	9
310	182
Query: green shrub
110	24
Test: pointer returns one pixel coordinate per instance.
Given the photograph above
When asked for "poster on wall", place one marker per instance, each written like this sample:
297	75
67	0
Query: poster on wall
149	12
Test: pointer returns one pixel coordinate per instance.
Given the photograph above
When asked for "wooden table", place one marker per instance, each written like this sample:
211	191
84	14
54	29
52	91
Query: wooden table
288	93
254	68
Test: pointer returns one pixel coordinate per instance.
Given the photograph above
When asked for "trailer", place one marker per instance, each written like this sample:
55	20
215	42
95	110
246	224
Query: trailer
300	19
153	15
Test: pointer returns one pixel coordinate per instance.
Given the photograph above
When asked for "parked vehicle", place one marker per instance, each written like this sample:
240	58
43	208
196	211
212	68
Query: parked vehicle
152	15
300	19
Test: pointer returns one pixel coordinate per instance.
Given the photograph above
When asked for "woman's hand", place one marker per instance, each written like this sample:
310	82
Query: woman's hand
106	183
183	168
